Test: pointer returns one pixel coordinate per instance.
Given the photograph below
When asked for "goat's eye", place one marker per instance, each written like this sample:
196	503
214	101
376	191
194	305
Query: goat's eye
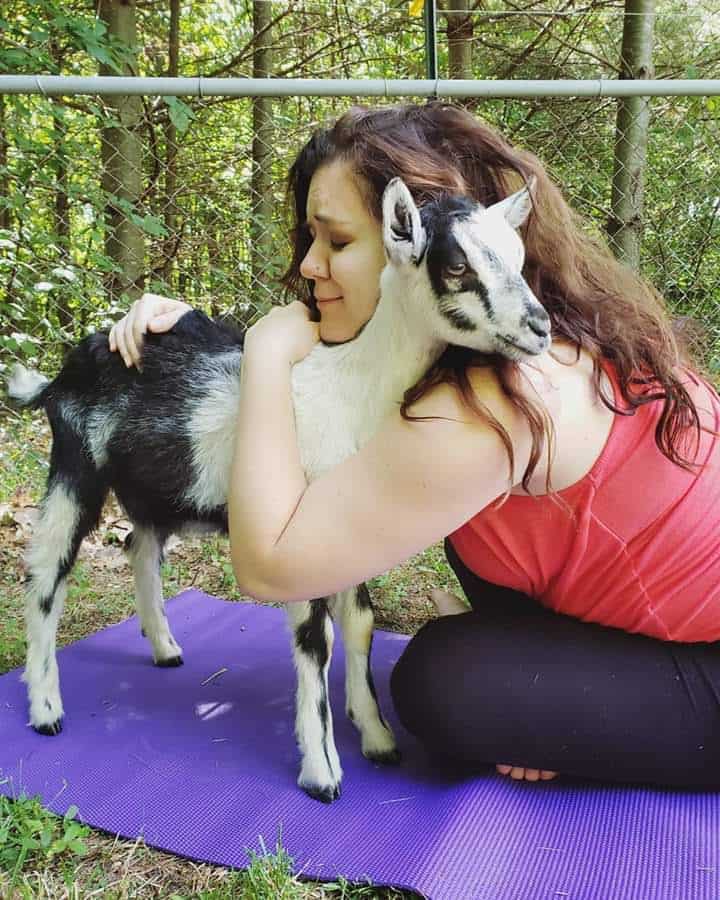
457	270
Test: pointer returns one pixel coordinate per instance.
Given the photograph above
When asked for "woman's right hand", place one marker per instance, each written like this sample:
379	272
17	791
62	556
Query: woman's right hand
150	313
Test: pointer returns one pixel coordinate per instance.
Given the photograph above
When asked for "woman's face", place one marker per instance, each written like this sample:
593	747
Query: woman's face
346	255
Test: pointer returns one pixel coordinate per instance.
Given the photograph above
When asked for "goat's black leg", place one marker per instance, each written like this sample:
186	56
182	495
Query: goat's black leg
353	611
320	772
144	546
70	509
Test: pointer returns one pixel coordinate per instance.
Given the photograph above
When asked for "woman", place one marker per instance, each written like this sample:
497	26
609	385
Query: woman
594	580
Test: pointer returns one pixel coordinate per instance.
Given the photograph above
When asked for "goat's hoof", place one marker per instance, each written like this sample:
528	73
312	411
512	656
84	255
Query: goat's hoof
170	663
52	728
384	757
327	794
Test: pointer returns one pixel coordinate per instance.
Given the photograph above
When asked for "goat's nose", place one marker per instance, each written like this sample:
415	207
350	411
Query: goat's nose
539	323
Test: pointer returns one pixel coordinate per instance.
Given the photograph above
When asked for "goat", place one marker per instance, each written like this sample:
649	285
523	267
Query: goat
162	439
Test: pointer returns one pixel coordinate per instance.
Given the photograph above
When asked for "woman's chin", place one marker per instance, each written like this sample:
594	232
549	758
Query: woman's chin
335	333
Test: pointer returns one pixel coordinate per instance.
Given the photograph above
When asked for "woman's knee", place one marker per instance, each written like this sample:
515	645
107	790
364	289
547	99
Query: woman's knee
429	681
416	674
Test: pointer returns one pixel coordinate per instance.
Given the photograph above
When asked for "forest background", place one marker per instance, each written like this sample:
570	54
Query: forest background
101	199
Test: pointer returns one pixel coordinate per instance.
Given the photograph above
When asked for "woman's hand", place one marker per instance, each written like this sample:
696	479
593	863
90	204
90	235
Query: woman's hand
286	333
150	313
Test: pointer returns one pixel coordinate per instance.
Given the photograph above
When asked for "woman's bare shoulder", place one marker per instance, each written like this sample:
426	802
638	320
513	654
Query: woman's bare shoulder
559	381
446	400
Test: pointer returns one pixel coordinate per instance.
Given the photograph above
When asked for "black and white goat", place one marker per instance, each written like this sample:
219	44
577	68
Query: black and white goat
162	439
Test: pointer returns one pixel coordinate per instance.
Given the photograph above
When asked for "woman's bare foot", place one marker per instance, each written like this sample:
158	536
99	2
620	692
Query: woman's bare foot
521	774
448	604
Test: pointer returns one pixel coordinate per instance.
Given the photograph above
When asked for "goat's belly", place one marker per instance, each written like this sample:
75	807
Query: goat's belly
154	490
167	511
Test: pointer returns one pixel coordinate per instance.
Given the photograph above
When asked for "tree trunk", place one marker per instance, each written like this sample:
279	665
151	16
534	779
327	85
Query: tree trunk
631	135
459	36
171	211
61	209
5	220
262	204
122	165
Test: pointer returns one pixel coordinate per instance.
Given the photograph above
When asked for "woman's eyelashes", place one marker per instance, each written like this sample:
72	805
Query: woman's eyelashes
336	242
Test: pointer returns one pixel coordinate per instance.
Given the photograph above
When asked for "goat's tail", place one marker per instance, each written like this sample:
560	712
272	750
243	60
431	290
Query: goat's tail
26	387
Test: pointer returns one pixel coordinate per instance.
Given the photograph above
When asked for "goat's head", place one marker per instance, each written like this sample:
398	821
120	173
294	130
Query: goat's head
463	261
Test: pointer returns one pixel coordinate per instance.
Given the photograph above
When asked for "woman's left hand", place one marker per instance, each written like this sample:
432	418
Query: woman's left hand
286	332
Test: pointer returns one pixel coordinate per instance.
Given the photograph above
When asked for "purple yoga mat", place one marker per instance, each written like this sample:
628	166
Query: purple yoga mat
205	771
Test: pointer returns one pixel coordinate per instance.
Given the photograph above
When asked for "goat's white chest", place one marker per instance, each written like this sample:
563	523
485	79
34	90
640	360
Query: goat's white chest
334	413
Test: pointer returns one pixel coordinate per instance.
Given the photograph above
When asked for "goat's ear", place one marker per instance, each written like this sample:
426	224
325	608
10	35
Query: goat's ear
516	208
403	234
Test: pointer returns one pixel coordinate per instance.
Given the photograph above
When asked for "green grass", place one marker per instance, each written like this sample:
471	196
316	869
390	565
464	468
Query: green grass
12	644
43	855
32	836
23	455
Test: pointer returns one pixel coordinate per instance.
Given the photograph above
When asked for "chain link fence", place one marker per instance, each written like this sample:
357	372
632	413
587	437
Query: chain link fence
98	202
93	210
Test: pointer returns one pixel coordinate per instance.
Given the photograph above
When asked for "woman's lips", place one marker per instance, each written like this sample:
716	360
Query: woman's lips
327	299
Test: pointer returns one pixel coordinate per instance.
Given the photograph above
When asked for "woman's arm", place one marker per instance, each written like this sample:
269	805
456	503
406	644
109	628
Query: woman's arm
411	485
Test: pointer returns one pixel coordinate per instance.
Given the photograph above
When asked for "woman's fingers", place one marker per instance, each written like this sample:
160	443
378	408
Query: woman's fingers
163	319
127	334
151	312
120	344
135	329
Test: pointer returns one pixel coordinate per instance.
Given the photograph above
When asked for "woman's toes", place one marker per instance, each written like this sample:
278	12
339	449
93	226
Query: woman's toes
519	773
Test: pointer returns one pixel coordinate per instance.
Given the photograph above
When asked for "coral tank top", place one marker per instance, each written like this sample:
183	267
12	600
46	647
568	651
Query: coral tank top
642	550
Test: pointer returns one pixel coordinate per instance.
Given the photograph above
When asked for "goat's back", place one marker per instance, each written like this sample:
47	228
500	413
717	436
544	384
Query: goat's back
160	437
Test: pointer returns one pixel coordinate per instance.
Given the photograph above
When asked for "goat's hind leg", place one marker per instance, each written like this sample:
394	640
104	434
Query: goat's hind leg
70	509
353	610
320	771
144	546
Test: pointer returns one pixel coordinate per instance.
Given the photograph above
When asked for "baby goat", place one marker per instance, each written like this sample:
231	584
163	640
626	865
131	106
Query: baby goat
162	439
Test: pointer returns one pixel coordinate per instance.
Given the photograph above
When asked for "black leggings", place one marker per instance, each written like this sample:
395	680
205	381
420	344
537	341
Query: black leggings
512	682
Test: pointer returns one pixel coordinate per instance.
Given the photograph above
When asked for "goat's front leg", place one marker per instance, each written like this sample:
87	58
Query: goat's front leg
144	547
320	772
353	610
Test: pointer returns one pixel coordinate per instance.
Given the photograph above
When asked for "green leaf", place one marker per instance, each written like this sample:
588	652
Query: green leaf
180	113
686	135
153	225
102	55
14	58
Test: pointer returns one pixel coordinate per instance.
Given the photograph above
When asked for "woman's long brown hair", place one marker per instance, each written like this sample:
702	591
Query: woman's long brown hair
592	299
